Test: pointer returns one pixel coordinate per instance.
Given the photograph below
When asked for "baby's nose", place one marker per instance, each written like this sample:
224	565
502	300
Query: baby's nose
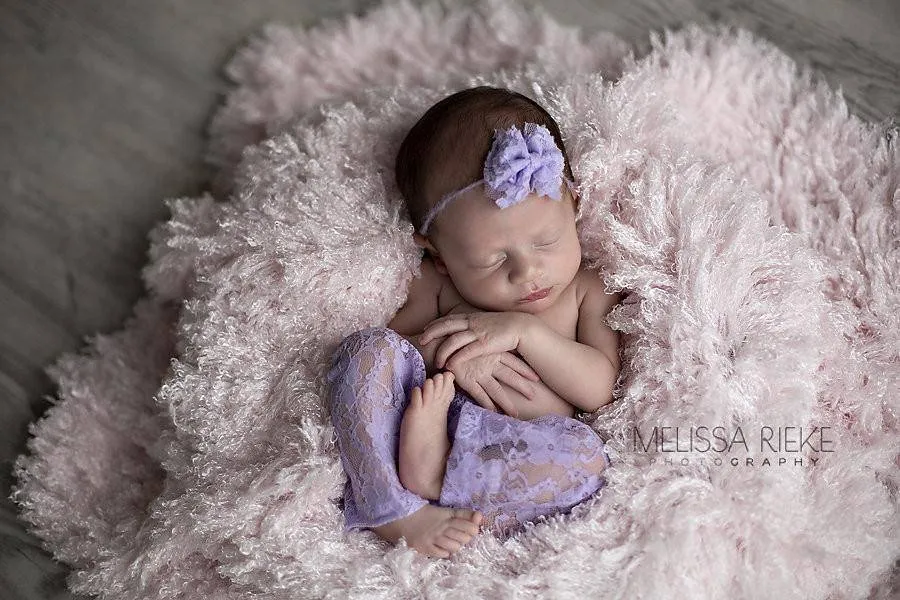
525	272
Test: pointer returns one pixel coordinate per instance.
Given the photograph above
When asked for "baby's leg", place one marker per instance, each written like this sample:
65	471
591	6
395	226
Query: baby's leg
515	471
372	376
424	444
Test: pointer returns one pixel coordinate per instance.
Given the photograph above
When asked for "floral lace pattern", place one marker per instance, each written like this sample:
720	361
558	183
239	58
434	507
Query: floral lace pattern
512	471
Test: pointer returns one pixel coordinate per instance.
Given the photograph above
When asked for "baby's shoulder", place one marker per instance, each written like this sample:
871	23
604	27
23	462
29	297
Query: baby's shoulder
421	305
449	300
440	284
590	291
433	283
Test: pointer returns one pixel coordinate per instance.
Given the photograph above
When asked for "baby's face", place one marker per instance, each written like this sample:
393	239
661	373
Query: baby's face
496	258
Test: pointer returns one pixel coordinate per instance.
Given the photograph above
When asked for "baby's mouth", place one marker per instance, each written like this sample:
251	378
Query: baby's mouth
538	295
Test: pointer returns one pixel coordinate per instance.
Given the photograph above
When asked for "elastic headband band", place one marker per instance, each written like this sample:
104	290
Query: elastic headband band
518	164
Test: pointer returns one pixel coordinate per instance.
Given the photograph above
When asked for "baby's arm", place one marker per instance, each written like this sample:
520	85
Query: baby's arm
541	401
421	305
584	370
420	309
491	378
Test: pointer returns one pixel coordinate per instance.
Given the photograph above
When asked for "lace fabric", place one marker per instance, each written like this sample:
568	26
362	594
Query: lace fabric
512	471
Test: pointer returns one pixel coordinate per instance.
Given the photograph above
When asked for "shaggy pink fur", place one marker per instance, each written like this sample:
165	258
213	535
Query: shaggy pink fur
751	221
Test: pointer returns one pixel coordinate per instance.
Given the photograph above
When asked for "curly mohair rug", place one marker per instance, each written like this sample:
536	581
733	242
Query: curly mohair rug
751	222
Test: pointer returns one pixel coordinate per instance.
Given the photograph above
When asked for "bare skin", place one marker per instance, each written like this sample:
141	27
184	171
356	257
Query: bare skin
424	444
434	530
529	257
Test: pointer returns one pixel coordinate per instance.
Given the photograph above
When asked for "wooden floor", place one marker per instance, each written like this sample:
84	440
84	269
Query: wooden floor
102	113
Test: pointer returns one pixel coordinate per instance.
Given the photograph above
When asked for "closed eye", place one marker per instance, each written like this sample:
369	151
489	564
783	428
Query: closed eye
493	265
548	243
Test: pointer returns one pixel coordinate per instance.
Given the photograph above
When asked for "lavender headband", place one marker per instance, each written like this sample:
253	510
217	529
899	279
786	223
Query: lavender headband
519	163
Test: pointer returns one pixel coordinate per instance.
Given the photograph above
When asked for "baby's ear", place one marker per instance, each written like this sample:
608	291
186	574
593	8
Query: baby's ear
439	265
423	242
431	252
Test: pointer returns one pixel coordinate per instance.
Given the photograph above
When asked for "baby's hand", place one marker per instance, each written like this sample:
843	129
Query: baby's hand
481	378
469	335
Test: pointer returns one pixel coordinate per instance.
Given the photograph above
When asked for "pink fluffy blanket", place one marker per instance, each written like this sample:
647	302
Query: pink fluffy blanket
750	220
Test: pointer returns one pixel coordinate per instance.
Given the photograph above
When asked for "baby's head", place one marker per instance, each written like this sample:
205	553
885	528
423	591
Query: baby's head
495	257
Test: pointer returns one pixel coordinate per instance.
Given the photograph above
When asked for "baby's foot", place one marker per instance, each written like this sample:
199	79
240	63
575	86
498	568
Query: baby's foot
434	530
424	445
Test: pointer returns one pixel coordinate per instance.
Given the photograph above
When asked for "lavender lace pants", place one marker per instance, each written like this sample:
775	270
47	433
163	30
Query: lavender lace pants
512	471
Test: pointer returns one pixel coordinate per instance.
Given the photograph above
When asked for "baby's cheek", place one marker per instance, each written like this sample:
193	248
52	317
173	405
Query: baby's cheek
574	260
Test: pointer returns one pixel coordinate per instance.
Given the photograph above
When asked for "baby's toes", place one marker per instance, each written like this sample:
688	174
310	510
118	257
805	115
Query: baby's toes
458	535
415	398
467	520
447	543
447	386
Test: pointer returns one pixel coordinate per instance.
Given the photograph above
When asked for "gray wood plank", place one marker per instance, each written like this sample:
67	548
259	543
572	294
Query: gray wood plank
102	114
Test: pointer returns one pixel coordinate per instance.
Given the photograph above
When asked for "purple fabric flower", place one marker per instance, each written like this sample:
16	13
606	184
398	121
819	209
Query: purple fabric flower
519	164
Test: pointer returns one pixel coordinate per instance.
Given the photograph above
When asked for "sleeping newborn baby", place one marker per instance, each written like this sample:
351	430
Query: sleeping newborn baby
459	412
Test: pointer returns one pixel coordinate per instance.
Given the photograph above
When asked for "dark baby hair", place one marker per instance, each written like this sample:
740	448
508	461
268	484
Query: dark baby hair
445	150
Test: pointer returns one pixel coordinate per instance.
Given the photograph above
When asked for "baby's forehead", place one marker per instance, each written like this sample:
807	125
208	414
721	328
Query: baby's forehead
477	223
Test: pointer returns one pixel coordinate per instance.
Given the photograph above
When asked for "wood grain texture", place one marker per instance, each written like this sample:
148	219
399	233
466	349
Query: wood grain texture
102	115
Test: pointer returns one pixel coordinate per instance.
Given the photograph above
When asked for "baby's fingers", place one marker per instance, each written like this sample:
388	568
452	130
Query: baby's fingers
519	366
451	345
480	396
473	348
515	381
442	327
499	397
